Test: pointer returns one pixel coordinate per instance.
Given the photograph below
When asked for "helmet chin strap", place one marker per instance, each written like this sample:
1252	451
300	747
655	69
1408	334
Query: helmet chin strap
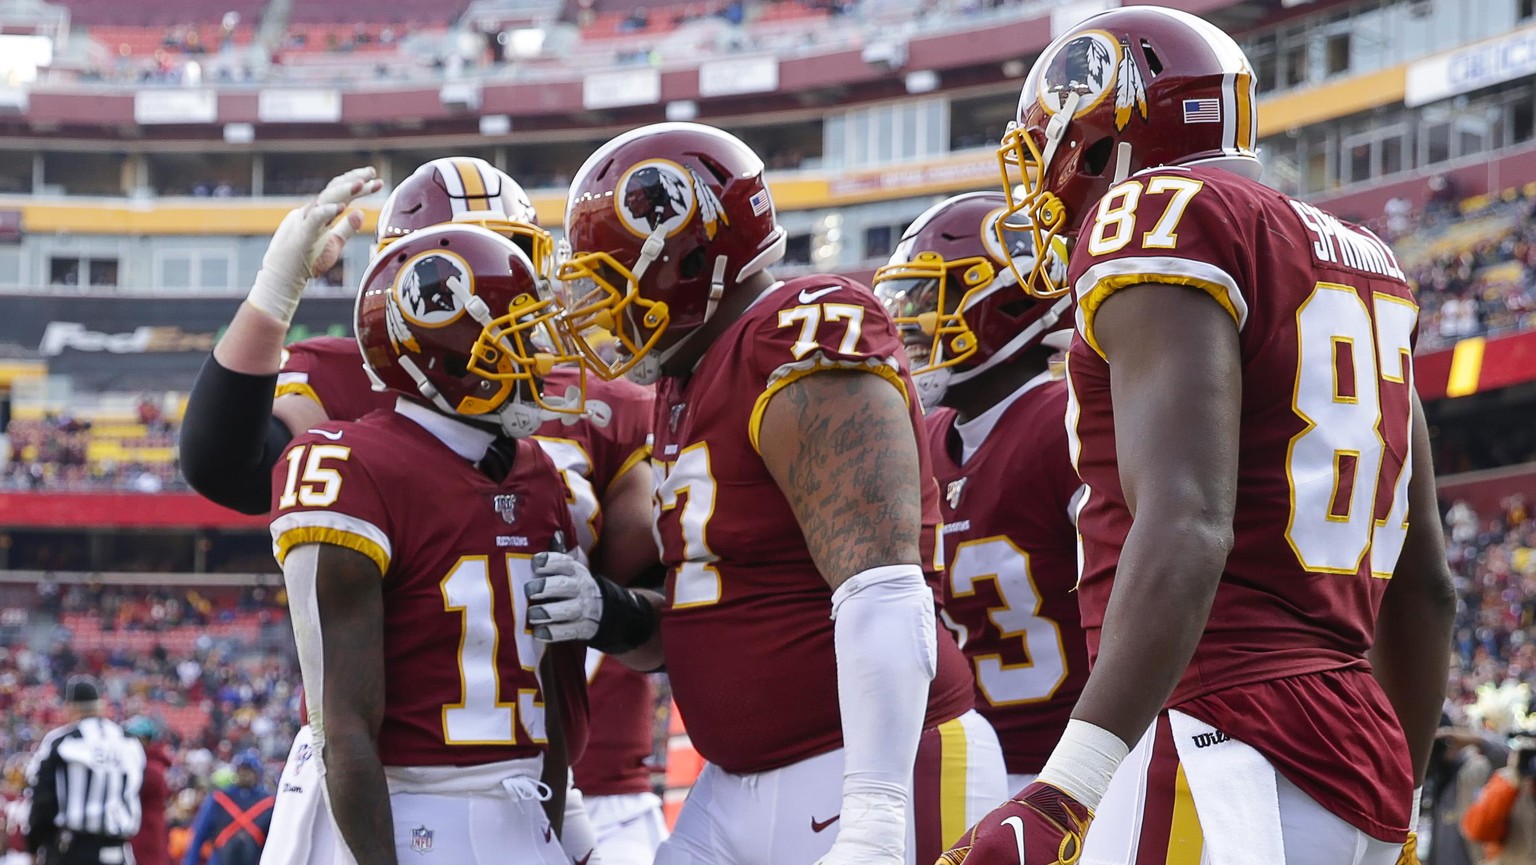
931	387
1024	337
649	252
1056	129
519	419
1122	161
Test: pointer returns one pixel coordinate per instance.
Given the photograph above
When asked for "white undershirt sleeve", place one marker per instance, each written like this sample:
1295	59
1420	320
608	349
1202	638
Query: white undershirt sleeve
887	653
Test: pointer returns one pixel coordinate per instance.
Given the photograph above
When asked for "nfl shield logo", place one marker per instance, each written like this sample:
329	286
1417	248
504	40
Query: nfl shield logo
506	505
421	839
952	494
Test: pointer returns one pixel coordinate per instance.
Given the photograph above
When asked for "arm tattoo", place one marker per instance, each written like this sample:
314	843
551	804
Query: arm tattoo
841	446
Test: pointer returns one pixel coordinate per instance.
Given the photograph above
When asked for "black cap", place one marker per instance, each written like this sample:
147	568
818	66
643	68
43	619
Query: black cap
81	689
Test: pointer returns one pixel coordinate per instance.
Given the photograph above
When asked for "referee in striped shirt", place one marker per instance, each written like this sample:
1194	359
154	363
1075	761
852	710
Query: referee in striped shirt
83	783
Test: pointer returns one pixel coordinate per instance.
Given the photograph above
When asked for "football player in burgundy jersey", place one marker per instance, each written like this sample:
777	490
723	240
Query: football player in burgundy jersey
601	455
791	484
1263	580
406	538
980	352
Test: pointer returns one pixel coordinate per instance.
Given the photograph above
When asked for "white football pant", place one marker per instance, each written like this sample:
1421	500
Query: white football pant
1176	803
629	827
473	815
453	815
788	816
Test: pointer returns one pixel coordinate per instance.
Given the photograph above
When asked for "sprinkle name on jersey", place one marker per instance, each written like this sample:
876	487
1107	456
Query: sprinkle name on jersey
1338	243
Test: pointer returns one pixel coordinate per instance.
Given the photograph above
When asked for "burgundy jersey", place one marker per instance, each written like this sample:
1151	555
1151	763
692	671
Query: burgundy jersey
329	370
1326	329
613	437
747	626
592	450
1011	564
455	550
617	761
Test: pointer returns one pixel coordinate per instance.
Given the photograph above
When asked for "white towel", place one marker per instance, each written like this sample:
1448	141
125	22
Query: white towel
1233	786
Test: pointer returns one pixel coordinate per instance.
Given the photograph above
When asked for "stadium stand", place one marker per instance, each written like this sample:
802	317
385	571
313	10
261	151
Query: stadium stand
1493	557
1473	268
164	13
214	665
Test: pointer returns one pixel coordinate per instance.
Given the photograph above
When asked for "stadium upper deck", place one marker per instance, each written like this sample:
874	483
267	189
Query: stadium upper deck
863	110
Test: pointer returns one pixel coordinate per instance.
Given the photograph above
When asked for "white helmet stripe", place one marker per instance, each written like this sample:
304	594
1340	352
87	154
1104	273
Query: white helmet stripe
454	184
1229	112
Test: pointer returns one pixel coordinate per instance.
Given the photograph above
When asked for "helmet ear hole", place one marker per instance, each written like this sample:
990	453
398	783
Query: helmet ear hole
1096	157
692	264
1016	308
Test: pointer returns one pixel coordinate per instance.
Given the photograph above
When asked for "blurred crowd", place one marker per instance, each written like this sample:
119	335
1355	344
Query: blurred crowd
393	46
1493	558
54	453
211	694
213	690
1485	291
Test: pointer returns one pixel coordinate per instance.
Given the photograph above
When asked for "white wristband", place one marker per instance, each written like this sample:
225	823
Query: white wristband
1413	814
1084	761
275	295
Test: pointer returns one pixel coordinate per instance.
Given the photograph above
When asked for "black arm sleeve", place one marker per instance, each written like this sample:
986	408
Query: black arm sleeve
229	439
627	620
45	802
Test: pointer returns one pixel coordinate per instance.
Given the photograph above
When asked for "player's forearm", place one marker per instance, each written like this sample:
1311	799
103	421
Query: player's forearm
1411	652
359	793
1411	659
1164	587
253	343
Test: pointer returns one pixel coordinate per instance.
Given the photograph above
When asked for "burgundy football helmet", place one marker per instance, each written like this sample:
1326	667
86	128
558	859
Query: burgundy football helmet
952	291
1129	89
661	221
454	315
470	190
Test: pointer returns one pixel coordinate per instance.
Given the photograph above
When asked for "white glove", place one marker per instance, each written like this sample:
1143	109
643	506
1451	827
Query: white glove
306	244
871	831
564	600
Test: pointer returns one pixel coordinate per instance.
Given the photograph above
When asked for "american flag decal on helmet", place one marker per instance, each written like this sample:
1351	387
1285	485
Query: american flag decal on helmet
1202	111
760	203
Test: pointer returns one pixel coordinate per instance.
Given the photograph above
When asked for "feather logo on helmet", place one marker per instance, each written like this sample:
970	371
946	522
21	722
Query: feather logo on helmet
431	288
1093	64
660	194
428	291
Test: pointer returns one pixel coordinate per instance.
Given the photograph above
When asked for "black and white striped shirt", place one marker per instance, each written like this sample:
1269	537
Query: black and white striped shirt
85	778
